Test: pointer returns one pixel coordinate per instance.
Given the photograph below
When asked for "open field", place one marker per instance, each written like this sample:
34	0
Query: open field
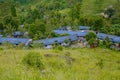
68	64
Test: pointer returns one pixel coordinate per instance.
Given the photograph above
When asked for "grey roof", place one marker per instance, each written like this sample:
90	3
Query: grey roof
15	40
57	39
83	34
101	35
84	28
116	40
78	33
64	28
63	32
17	33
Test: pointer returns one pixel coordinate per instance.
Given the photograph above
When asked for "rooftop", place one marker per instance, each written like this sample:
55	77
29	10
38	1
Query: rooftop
84	28
14	40
57	39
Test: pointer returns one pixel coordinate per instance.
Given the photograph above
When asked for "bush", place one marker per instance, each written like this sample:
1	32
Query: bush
34	60
20	46
37	45
59	48
106	43
91	37
100	63
8	45
53	34
1	48
57	63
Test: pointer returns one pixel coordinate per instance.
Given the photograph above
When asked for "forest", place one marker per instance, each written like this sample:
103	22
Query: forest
40	17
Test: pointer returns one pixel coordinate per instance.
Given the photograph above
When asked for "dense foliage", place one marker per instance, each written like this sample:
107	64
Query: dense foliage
40	17
33	60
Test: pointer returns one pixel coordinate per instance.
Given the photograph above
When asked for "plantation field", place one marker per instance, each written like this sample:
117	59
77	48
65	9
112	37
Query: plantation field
66	64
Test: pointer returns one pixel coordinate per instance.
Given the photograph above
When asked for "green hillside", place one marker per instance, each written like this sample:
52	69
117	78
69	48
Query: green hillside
69	64
36	20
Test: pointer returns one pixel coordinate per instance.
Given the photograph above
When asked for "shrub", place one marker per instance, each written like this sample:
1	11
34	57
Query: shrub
20	46
92	39
8	45
100	63
68	58
1	48
34	60
57	63
67	41
106	43
37	45
59	48
53	34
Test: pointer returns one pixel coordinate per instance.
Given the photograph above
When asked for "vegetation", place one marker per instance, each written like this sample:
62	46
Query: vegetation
91	38
41	17
33	59
71	64
106	43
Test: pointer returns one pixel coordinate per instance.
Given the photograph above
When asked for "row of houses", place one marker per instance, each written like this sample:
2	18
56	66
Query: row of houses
83	30
73	36
64	41
76	36
68	28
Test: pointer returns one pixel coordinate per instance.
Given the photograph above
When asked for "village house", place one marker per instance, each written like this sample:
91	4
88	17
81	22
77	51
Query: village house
16	41
114	39
48	43
78	36
67	28
81	36
17	34
84	28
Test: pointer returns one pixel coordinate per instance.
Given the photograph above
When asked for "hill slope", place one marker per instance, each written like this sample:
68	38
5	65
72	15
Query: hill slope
86	64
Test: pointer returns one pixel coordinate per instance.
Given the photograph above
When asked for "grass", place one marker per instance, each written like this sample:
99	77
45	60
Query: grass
85	65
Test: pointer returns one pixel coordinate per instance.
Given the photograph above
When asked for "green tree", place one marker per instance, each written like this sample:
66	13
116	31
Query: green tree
115	29
98	5
1	26
13	10
98	23
116	17
11	24
11	21
106	43
9	29
75	14
36	30
91	38
110	11
33	15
